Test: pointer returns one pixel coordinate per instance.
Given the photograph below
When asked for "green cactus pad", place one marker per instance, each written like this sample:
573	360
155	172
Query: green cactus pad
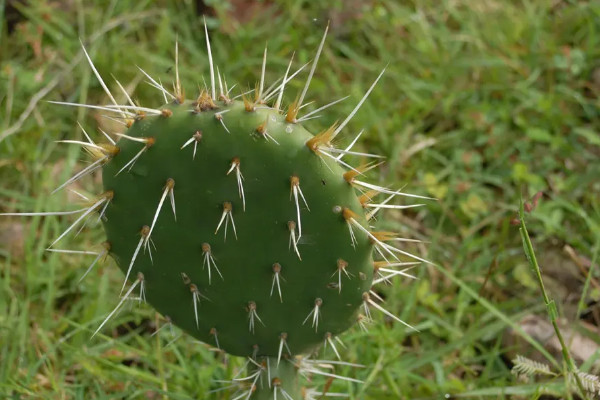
216	283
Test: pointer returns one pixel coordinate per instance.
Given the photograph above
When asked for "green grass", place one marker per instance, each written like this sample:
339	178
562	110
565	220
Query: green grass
481	103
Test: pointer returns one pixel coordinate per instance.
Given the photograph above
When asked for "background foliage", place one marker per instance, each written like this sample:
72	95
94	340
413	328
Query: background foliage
482	101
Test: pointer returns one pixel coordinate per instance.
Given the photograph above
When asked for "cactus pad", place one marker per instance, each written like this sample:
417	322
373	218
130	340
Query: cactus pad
220	259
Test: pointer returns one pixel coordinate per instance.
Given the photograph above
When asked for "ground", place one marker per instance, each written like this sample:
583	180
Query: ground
481	104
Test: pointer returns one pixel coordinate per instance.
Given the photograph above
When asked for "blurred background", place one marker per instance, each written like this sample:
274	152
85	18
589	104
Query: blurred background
482	103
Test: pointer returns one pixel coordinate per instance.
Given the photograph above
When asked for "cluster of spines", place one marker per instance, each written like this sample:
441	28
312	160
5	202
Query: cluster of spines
320	144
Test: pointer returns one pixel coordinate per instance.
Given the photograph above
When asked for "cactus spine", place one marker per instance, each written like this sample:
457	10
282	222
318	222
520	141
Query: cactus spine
240	226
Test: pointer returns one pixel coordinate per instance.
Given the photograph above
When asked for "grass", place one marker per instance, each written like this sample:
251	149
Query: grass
481	103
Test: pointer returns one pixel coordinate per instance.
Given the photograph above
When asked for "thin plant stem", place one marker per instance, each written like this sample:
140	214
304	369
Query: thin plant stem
550	304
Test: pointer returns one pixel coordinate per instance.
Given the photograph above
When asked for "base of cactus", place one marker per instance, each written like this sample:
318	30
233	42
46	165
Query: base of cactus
269	379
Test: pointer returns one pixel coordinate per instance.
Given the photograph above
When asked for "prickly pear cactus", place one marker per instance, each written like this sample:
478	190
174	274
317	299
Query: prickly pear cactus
223	228
240	226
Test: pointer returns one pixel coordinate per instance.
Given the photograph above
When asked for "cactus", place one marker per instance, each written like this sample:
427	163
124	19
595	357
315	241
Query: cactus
240	226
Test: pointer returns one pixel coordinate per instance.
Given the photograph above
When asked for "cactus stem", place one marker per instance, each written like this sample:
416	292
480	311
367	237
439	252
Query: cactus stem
210	62
328	339
209	260
133	286
276	277
341	267
227	216
157	85
196	138
293	241
315	313
110	96
213	332
252	315
144	233
295	190
167	190
309	115
219	117
282	344
105	198
235	166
